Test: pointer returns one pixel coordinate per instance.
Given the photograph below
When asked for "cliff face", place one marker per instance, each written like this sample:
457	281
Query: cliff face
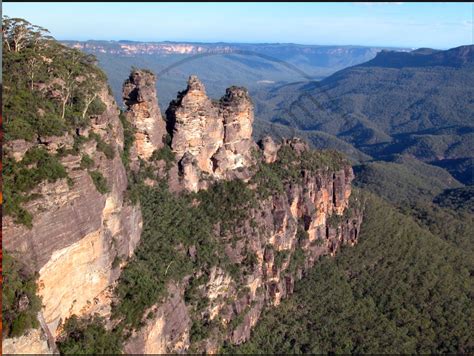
78	232
282	237
211	139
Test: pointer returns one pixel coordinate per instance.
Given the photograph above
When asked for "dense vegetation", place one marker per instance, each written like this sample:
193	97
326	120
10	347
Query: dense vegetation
459	199
404	180
20	304
88	336
48	88
428	194
169	222
400	290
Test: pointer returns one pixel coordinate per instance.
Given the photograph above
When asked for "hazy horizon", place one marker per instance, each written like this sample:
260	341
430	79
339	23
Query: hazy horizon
433	25
239	43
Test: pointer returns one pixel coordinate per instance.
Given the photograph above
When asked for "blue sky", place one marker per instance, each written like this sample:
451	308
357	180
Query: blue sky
437	25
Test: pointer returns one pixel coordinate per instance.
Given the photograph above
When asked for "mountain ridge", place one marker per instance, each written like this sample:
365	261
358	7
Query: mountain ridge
420	108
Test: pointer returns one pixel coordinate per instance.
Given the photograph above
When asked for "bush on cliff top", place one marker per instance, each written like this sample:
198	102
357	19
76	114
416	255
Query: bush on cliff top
32	105
290	166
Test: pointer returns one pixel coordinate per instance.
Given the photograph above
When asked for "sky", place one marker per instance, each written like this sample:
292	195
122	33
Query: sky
412	25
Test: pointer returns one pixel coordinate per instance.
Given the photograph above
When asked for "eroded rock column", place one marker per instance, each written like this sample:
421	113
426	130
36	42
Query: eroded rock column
143	112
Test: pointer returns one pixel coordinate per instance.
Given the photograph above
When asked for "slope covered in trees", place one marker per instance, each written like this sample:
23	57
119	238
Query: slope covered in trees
416	103
401	290
428	194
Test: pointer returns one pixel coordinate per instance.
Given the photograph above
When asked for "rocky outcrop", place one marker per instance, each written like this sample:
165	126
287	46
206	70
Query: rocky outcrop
77	232
143	112
287	233
269	149
167	331
33	342
211	139
80	238
282	238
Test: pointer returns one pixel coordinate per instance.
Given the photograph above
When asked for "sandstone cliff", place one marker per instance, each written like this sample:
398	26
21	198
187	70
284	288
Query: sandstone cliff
282	237
77	231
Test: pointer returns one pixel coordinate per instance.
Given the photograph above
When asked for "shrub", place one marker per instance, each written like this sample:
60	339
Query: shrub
165	154
97	107
20	178
280	257
128	139
86	162
100	182
88	336
102	146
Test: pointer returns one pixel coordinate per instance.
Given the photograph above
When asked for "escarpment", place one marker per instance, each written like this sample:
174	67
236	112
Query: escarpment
297	208
82	225
294	207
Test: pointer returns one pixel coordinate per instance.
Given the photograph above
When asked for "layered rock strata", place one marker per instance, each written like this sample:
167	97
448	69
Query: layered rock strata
77	232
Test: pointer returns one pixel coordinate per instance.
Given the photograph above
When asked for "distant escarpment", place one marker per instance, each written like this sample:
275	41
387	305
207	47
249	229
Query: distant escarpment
146	234
415	103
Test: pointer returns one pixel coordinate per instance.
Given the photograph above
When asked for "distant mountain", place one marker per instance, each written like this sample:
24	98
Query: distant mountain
419	103
220	65
424	57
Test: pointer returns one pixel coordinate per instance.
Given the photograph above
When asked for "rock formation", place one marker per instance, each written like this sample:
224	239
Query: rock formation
269	149
211	138
33	342
143	112
168	331
307	220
